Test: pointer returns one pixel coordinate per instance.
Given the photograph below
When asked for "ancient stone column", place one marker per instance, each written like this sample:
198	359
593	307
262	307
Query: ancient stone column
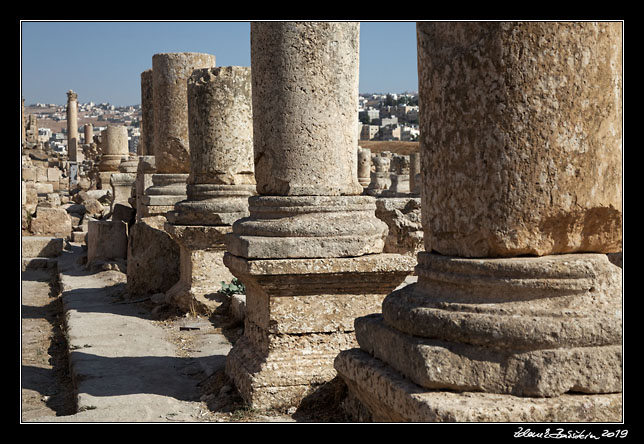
415	183
170	72
72	126
221	179
114	148
309	254
516	307
88	129
146	144
364	166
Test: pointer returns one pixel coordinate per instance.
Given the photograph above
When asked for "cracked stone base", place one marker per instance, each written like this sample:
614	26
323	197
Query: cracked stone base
389	397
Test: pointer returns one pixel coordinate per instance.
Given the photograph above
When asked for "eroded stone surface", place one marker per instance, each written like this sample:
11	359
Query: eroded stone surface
305	92
170	73
524	130
299	315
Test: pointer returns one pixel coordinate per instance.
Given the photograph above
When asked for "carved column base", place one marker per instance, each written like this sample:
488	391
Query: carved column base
519	328
299	315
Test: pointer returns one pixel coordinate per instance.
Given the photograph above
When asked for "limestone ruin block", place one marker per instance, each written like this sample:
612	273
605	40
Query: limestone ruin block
403	218
41	246
106	240
201	267
380	178
525	131
51	222
299	315
390	397
152	258
350	227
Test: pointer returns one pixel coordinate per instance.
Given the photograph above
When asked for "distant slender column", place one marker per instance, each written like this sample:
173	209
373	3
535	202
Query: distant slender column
414	173
72	126
170	72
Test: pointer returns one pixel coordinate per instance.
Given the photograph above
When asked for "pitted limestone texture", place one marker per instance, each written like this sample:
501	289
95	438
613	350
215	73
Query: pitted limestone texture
221	148
170	73
524	130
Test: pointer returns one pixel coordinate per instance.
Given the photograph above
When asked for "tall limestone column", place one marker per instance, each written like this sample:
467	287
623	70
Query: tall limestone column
170	73
221	179
516	315
72	127
309	254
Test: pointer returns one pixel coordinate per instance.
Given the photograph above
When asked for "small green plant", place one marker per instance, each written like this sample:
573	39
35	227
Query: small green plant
235	287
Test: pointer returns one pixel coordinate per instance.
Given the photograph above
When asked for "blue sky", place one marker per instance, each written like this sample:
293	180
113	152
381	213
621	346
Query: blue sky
103	61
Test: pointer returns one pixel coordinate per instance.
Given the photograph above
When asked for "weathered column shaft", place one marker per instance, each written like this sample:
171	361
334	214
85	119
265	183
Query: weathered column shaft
310	252
221	147
523	128
170	73
305	92
72	125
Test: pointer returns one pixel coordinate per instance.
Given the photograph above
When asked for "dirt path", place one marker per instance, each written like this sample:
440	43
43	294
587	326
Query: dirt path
46	387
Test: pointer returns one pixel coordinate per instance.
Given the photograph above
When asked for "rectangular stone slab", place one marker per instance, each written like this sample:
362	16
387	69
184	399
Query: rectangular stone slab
390	397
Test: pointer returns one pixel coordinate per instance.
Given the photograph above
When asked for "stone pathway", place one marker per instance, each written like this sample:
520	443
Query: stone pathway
124	366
